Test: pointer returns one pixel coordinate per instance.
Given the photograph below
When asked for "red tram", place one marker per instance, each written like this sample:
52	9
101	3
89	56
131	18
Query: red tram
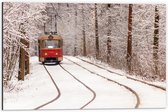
50	48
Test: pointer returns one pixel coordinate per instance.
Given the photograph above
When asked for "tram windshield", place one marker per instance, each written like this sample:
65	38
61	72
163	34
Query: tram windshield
52	43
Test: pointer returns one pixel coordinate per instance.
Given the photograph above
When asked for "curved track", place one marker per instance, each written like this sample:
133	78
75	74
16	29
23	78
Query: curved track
128	88
93	92
137	104
156	86
59	93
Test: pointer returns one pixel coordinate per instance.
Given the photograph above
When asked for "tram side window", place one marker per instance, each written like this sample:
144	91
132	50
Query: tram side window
52	44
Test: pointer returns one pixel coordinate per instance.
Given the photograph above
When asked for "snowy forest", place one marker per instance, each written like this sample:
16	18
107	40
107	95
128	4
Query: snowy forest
129	37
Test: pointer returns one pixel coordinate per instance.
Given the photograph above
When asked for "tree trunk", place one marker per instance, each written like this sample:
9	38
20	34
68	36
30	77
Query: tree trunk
15	59
83	32
129	40
55	23
96	33
27	60
108	35
52	22
21	64
75	45
24	68
156	40
44	28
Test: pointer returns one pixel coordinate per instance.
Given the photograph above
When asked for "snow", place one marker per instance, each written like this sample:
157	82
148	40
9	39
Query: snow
73	94
122	72
150	96
32	92
38	89
108	95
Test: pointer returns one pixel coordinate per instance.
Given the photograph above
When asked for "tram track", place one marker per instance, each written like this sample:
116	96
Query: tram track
131	90
57	96
156	86
126	87
93	92
59	93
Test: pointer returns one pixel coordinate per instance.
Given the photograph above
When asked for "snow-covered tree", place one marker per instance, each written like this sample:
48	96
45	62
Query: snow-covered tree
100	31
93	30
20	21
143	40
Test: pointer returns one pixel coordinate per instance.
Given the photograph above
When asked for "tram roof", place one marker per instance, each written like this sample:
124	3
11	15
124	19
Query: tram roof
45	37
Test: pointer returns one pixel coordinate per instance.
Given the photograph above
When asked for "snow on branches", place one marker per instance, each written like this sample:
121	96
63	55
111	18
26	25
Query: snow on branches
20	21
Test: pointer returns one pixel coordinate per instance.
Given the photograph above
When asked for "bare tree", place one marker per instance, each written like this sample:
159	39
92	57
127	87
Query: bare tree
129	40
109	34
96	32
75	46
156	40
83	32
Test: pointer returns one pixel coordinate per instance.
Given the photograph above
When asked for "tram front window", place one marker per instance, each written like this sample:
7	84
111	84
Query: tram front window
52	44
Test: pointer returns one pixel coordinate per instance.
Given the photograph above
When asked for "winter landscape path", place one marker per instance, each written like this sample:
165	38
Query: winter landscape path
76	84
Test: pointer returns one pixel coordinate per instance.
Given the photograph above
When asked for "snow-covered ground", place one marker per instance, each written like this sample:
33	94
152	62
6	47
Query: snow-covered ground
35	90
104	65
38	89
108	95
73	94
150	97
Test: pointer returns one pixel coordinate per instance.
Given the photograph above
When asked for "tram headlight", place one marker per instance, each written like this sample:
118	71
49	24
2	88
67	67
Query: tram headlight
45	54
60	58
